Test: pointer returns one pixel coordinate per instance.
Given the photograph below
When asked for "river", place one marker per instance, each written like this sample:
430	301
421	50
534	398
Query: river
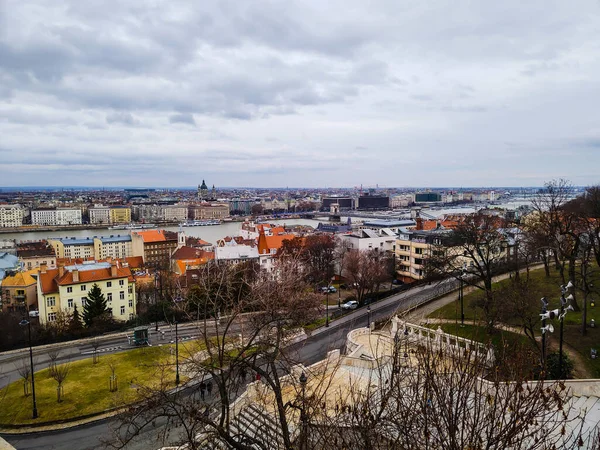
210	233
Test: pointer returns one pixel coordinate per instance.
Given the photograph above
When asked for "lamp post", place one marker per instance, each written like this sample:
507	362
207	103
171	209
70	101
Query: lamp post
303	418
461	296
327	307
565	306
176	356
405	341
23	323
544	329
369	317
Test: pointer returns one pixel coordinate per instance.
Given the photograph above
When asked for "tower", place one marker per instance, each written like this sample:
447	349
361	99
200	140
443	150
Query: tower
202	191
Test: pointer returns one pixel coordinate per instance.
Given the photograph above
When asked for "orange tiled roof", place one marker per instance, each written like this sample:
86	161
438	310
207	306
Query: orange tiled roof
19	279
151	235
266	243
51	279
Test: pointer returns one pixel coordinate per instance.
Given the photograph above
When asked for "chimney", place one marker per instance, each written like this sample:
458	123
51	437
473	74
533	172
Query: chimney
43	267
61	271
113	270
419	223
75	276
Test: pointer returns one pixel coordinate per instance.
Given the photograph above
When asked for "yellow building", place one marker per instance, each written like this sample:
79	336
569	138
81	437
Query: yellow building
19	292
120	214
64	288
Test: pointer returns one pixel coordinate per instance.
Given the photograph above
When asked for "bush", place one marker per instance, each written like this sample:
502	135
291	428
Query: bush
552	370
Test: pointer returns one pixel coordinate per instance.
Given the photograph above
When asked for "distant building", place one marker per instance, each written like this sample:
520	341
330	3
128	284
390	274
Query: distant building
382	240
209	211
428	197
241	206
63	288
56	216
12	215
158	213
203	191
109	215
346	203
8	263
368	201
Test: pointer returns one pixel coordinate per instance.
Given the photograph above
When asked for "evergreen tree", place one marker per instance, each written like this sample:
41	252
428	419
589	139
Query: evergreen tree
95	305
76	320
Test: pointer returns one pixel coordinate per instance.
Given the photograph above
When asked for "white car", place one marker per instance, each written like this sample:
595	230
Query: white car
34	314
352	304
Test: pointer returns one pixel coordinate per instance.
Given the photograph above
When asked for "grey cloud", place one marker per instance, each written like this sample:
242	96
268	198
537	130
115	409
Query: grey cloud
121	117
183	118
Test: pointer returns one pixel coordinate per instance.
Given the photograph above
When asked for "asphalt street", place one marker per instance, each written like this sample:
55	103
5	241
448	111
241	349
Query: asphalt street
313	349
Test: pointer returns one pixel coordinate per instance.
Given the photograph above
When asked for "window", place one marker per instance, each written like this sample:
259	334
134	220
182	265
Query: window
50	301
69	289
109	297
131	303
109	284
51	317
83	287
121	282
130	289
70	303
122	295
83	301
122	310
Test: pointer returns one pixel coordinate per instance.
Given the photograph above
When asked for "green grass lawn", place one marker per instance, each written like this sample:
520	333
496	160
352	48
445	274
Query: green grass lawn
543	286
86	388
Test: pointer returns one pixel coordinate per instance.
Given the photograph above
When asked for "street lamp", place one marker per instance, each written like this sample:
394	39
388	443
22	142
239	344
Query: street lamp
565	306
23	323
461	297
405	341
176	356
369	317
303	418
327	307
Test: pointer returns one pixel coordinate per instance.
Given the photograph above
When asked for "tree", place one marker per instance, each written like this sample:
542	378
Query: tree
75	325
60	374
24	370
259	351
478	247
53	355
95	305
257	209
365	270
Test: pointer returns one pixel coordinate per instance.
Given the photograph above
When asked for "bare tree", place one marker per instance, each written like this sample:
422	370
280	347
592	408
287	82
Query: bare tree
24	369
113	384
95	346
279	306
60	374
478	247
366	270
53	355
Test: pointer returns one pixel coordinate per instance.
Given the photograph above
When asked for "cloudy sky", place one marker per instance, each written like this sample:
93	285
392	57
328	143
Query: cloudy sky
306	93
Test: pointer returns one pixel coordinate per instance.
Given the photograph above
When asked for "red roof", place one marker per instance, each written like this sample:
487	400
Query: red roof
51	279
151	235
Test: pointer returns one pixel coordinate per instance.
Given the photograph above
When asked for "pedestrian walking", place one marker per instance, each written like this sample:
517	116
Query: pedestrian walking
243	374
209	387
202	389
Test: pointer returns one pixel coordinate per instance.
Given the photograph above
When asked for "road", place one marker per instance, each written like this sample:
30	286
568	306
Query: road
309	351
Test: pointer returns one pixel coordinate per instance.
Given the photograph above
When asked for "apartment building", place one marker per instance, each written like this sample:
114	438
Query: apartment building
56	216
382	240
157	213
413	247
12	215
100	214
156	246
65	287
19	292
32	254
209	211
114	246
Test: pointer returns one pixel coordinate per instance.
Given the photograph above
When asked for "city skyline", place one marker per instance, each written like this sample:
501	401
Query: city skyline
299	94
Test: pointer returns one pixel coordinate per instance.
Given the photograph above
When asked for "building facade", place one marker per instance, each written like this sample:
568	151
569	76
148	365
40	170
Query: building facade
56	217
97	248
11	215
33	254
18	292
156	246
213	211
64	288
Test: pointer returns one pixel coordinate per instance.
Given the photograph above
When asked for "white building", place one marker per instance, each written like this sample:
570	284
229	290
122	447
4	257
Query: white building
11	215
383	240
99	214
58	216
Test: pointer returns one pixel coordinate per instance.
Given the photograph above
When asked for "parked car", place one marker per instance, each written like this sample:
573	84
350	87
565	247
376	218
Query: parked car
352	304
326	289
34	314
